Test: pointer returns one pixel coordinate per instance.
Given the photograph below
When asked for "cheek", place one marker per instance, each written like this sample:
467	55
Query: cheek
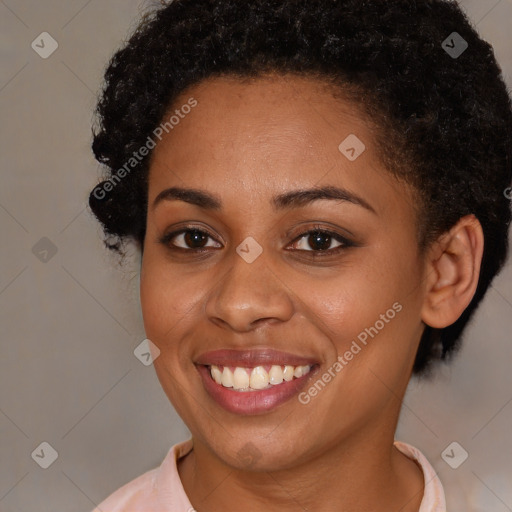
166	298
355	296
376	304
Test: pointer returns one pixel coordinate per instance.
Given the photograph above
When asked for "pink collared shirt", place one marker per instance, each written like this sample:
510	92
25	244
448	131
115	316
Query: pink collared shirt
161	490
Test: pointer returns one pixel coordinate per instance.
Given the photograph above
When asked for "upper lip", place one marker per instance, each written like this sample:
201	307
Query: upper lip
250	358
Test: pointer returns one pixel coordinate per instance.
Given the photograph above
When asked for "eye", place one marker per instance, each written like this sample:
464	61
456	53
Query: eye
320	242
188	239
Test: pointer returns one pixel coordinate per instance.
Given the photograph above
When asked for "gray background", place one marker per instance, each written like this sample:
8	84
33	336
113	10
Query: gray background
68	375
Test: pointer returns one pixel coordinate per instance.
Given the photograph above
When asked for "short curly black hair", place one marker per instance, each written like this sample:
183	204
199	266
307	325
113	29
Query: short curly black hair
445	117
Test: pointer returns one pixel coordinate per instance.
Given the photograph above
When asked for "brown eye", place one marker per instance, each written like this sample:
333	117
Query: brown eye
188	239
195	239
320	241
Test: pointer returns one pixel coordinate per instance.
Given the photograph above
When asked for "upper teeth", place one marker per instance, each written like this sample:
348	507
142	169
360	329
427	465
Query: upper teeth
246	379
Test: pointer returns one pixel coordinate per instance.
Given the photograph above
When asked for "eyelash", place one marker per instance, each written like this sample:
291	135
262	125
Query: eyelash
345	243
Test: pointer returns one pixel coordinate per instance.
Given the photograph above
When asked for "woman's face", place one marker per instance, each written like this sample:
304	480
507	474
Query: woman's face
272	274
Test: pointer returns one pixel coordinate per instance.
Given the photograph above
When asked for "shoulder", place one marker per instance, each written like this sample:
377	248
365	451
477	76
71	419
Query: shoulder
133	494
433	495
159	489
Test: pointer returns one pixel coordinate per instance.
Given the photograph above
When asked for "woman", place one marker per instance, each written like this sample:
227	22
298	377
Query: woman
317	191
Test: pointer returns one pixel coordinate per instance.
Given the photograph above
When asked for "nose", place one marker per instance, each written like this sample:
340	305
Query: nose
249	295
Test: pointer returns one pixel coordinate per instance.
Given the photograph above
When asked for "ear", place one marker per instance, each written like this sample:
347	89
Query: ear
453	269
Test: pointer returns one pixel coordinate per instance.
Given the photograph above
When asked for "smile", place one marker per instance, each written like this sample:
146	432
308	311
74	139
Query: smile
257	378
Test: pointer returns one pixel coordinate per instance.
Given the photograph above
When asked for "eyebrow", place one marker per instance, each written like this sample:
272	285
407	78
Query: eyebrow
292	199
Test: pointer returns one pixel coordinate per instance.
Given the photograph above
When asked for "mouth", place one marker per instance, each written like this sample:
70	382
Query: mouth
254	379
253	382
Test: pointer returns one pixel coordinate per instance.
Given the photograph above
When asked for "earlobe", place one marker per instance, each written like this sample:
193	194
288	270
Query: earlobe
453	270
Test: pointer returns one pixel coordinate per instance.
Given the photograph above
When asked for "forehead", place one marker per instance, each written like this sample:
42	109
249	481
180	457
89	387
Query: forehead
263	136
275	111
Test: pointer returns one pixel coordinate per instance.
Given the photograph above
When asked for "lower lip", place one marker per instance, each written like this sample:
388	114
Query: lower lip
252	402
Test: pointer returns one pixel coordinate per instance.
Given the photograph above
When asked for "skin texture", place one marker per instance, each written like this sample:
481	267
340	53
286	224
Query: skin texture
246	142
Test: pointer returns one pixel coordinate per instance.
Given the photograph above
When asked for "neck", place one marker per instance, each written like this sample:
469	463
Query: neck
353	475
